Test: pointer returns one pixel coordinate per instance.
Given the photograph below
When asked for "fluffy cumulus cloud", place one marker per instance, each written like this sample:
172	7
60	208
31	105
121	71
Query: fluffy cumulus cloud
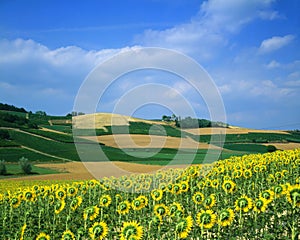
42	78
207	33
255	83
275	43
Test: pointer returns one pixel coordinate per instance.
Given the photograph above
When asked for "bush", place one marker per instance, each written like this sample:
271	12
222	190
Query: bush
2	168
271	148
4	134
25	165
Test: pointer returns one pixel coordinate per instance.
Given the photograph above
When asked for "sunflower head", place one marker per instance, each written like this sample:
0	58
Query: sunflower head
198	198
225	217
99	230
43	236
157	194
105	201
209	201
243	203
161	210
68	235
206	219
229	186
174	207
123	207
184	226
260	205
131	230
293	195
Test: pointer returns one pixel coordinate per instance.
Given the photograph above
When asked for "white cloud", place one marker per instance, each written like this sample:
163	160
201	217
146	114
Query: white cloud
48	76
206	33
275	43
273	64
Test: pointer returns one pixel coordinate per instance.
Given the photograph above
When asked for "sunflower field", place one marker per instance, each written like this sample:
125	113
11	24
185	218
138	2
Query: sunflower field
250	197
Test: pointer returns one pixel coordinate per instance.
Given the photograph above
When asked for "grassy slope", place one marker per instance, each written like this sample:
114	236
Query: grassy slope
63	145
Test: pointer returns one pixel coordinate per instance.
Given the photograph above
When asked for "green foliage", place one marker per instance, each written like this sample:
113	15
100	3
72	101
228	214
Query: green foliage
3	170
254	138
13	154
12	108
189	122
271	148
52	135
246	147
59	149
25	165
4	134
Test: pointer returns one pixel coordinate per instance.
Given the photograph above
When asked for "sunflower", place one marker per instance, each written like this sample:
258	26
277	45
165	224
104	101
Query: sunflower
127	183
225	217
162	186
68	235
105	200
184	226
59	206
247	173
137	204
169	187
157	194
29	195
76	202
260	205
206	219
229	186
268	195
43	236
15	201
215	183
98	231
123	207
60	194
161	210
184	186
175	207
72	191
176	189
293	195
131	230
91	213
237	173
198	198
280	190
209	201
243	203
118	197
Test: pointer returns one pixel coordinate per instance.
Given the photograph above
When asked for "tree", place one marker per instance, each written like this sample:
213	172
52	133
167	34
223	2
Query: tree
4	134
2	168
25	165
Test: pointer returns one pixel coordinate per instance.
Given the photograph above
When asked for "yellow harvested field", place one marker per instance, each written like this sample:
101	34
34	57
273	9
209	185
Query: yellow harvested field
284	146
82	171
100	120
234	130
148	141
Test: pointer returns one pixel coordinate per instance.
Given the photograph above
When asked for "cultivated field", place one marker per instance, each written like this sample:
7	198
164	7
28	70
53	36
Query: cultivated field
149	141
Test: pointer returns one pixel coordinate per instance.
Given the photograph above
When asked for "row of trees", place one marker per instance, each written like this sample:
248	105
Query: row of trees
189	122
12	108
24	165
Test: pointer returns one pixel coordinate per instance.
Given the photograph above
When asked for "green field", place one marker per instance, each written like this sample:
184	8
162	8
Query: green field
14	170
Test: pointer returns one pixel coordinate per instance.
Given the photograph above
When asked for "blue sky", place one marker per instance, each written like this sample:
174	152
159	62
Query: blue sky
251	49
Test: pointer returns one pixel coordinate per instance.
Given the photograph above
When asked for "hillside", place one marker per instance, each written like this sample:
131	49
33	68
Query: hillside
43	138
101	120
